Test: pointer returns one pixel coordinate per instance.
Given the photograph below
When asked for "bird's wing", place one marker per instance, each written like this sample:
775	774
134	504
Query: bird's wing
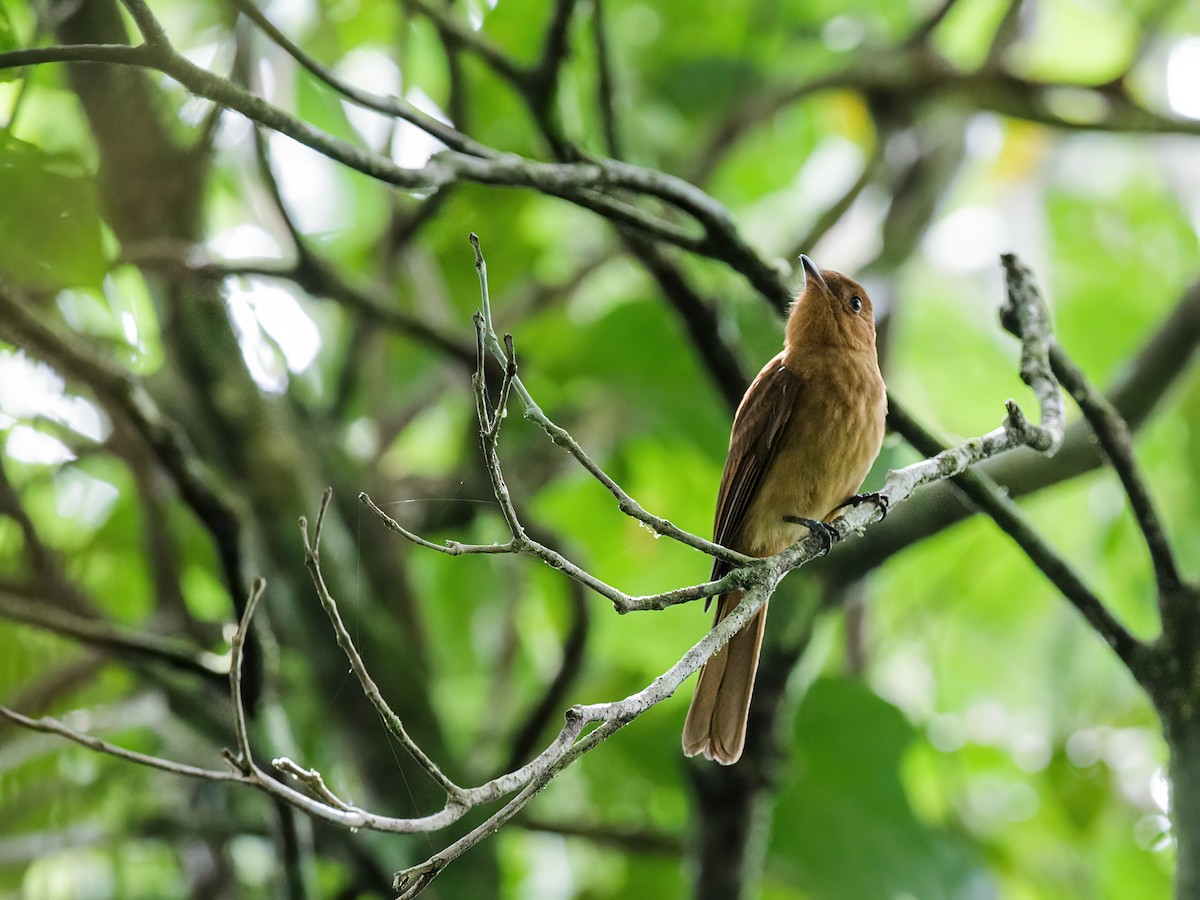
761	420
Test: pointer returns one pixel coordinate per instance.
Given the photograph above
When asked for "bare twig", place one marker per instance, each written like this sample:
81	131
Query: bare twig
48	725
1026	316
312	780
389	717
1146	380
244	760
560	436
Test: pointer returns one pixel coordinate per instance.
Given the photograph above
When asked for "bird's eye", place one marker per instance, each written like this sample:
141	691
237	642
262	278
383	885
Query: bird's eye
855	303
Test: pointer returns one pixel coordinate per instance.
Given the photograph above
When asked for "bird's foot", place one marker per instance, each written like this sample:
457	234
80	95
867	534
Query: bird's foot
819	528
880	501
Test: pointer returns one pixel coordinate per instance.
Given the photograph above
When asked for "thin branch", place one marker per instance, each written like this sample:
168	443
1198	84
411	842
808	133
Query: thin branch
48	725
1146	380
244	760
1117	443
1026	316
608	719
560	436
386	714
389	106
151	29
312	780
589	183
758	579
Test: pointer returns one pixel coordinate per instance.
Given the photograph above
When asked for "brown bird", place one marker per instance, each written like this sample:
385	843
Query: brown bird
803	440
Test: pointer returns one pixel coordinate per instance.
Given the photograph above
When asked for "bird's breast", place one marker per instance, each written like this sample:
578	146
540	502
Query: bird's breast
833	435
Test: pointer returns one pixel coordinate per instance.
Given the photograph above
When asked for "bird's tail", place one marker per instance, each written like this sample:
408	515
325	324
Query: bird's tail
716	720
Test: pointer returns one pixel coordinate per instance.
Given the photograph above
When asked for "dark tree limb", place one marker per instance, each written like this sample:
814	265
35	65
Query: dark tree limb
1116	441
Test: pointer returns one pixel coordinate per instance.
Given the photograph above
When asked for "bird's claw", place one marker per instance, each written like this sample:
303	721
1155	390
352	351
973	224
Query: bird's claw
815	527
880	501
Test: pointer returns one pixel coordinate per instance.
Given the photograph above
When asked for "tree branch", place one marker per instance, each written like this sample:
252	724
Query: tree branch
1117	443
992	500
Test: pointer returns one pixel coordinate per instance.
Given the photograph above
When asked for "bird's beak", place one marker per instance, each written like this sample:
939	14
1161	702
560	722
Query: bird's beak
810	270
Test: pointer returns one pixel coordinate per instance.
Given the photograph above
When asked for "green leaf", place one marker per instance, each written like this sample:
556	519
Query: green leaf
49	220
844	826
8	36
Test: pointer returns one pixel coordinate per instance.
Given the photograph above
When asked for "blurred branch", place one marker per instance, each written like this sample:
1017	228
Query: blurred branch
388	106
589	183
1006	34
605	83
833	213
41	556
569	667
123	394
452	29
926	28
542	80
316	278
917	71
16	605
699	316
628	840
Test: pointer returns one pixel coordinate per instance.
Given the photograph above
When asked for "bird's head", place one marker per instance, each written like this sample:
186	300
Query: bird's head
831	310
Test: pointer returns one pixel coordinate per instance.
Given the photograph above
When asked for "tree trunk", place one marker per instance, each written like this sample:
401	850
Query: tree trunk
1172	678
1183	740
734	803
